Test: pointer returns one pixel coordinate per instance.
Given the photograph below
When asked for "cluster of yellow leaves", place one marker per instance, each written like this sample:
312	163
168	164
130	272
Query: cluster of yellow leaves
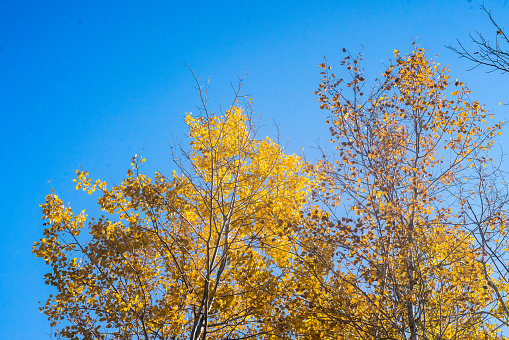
205	252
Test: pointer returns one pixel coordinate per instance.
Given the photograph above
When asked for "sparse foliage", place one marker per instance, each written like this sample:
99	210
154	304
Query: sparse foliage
494	55
393	236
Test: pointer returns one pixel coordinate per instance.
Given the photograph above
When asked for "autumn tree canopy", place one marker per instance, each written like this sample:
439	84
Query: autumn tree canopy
374	241
393	233
194	255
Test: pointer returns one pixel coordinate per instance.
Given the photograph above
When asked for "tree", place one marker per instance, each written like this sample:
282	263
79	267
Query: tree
392	257
484	204
493	55
199	255
397	234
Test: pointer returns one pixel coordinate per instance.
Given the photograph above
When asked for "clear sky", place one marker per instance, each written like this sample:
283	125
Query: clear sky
95	82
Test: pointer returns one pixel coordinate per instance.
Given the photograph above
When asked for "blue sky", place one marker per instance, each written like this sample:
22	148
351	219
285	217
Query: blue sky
95	82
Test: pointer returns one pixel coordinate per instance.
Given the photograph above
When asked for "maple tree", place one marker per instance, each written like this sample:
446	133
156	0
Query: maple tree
196	255
393	237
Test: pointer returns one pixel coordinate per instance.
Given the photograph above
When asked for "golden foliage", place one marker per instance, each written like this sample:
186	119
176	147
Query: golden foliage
247	242
185	256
